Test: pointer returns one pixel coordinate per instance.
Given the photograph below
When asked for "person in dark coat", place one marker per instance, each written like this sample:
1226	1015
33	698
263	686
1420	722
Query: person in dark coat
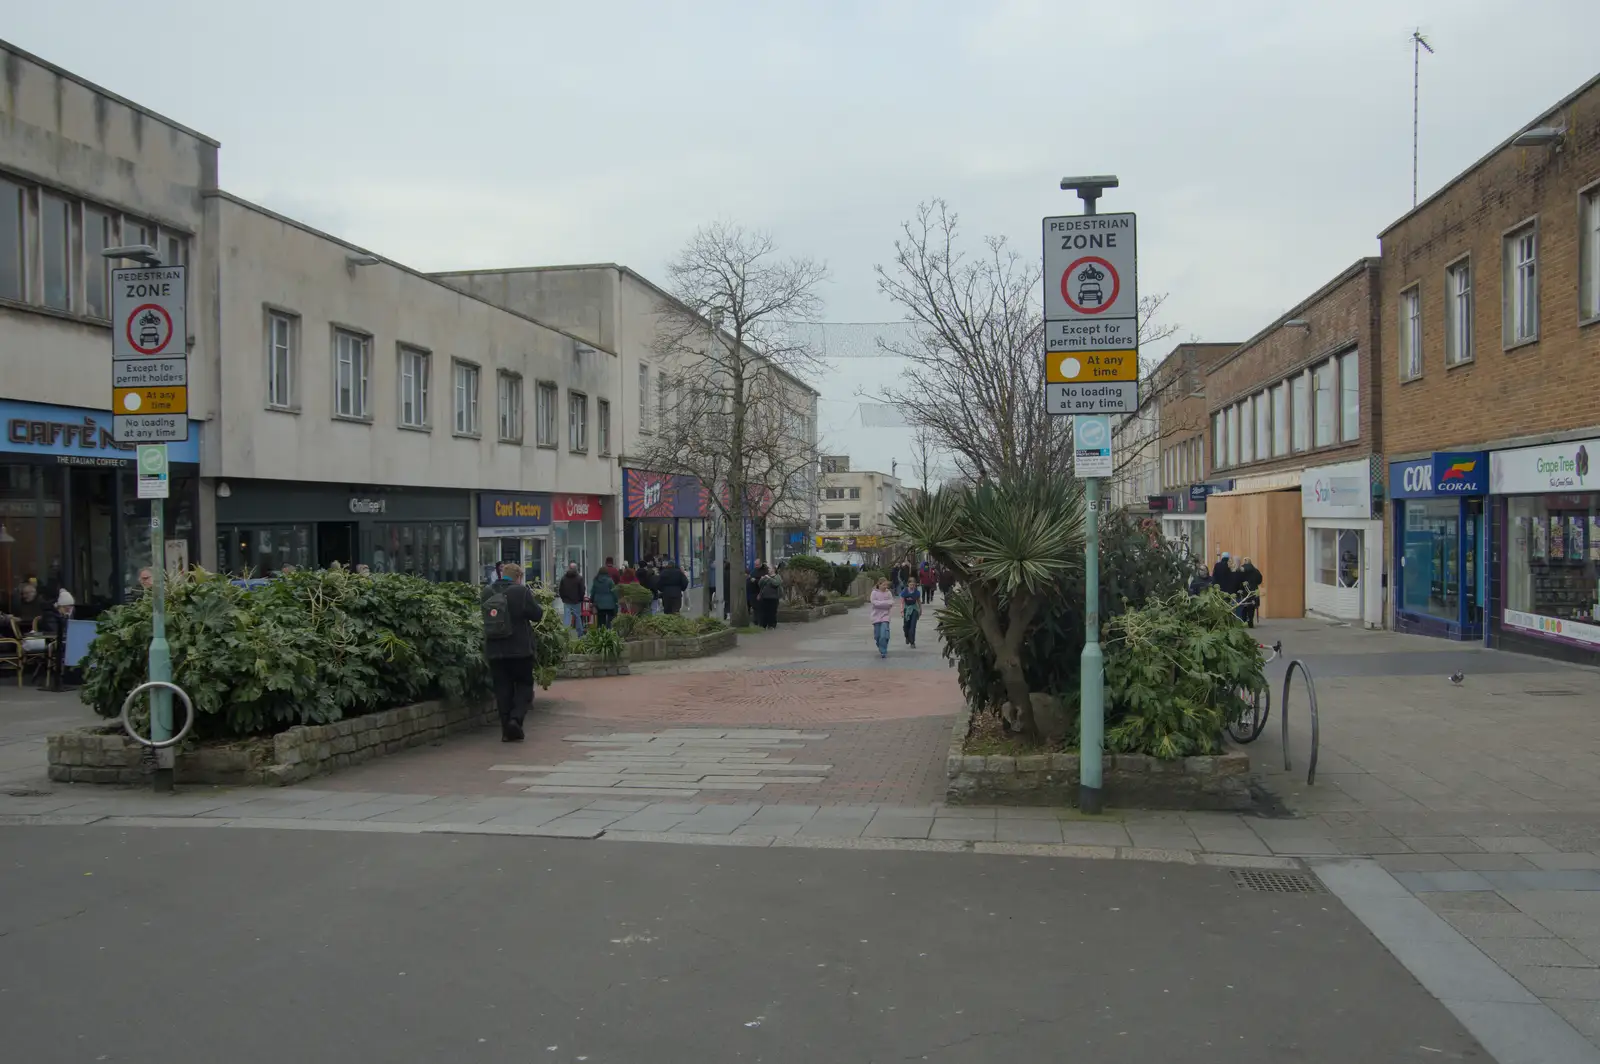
752	590
650	577
510	653
947	580
768	596
1200	583
571	590
1223	578
603	593
671	583
1250	585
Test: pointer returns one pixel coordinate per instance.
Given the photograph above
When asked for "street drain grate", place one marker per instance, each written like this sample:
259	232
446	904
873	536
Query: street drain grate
27	794
1278	882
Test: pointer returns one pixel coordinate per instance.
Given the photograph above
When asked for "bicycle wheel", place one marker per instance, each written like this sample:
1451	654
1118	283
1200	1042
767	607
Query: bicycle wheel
1252	719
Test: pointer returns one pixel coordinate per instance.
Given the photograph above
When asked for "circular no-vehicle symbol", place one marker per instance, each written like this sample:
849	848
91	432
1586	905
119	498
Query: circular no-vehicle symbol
1090	285
149	328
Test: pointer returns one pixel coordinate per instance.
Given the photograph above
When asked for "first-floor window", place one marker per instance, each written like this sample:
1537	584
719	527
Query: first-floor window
281	338
545	416
510	407
413	387
577	421
352	372
466	394
602	424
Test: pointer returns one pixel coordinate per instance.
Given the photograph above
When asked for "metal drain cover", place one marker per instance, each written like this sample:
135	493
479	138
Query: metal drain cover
27	794
1278	882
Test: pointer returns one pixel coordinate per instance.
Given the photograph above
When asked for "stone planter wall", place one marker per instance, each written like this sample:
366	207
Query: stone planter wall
1128	780
801	614
106	755
588	666
687	646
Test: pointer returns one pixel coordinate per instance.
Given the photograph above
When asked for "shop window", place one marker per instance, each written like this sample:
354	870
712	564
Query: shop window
1458	313
1410	345
1337	554
416	372
283	342
1431	569
1521	294
1553	556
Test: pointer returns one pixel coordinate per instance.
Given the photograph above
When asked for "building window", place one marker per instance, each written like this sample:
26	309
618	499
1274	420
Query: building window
834	522
1588	257
1263	410
282	339
577	421
602	424
352	373
855	520
855	493
644	398
1233	435
1522	286
12	274
1323	383
1410	334
1280	420
99	233
663	390
1219	439
545	416
1247	432
1300	388
1349	396
1458	313
508	406
414	384
466	379
55	228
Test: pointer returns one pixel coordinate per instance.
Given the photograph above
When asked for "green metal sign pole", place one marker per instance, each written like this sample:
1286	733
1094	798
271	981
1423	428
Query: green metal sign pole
152	462
1091	668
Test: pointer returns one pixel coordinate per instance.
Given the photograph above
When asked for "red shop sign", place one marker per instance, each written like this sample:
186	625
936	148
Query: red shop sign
575	507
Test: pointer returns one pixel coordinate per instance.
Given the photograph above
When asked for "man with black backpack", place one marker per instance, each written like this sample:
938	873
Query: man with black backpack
509	613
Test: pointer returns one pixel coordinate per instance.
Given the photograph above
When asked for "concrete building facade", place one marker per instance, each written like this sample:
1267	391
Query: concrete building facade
1491	318
1176	389
855	504
82	170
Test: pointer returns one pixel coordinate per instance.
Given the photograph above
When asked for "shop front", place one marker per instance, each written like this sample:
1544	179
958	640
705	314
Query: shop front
264	525
514	526
1544	554
70	515
575	532
1183	516
1343	543
668	516
1439	543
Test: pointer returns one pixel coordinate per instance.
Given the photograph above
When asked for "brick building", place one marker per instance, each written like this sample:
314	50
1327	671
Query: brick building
1177	389
1491	399
1294	421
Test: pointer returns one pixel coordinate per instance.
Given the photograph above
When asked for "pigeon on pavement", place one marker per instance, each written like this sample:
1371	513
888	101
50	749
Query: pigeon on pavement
1457	677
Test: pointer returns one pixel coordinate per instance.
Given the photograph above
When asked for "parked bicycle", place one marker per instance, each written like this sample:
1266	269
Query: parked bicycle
1255	706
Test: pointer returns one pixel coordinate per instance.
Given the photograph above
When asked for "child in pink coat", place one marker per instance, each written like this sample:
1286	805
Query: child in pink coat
882	606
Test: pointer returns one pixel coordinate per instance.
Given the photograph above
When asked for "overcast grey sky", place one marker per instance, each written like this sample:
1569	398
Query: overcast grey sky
1264	143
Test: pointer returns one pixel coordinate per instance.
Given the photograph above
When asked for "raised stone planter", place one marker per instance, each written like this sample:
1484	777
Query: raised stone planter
588	666
104	754
683	646
801	614
1128	780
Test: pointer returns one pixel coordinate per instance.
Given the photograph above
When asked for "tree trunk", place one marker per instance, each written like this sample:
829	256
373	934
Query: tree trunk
737	492
1007	649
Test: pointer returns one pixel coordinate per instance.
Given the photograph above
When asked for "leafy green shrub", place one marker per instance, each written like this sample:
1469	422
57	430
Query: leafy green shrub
603	643
1175	668
661	626
810	563
305	648
624	625
634	597
707	625
843	576
551	640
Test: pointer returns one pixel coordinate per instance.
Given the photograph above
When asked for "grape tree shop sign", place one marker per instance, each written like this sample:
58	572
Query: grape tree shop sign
1549	467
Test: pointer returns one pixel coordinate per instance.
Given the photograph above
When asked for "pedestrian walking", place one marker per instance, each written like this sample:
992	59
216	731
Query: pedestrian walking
1250	583
509	613
630	575
1200	583
1223	577
882	606
671	582
910	611
570	590
947	581
650	577
603	593
929	579
769	594
611	570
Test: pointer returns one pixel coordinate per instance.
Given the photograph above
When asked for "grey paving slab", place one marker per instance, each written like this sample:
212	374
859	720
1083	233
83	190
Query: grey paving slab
1024	812
1444	881
1416	862
928	810
1491	862
969	828
1163	837
1441	844
616	805
1542	952
890	826
1301	844
1513	844
970	812
645	820
1497	925
1548	981
423	812
1583	1015
1471	901
1371	845
1038	831
784	814
1244	841
824	826
768	829
1558	861
1538	903
1540	879
681	808
1080	833
1521	1033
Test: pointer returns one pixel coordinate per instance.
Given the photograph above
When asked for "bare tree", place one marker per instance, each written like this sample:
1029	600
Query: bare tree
976	381
732	408
923	462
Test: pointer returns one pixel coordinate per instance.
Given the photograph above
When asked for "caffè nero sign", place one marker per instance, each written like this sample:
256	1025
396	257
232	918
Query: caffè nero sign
369	506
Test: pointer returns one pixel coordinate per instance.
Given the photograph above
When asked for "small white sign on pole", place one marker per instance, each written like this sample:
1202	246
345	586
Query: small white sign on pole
1091	455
